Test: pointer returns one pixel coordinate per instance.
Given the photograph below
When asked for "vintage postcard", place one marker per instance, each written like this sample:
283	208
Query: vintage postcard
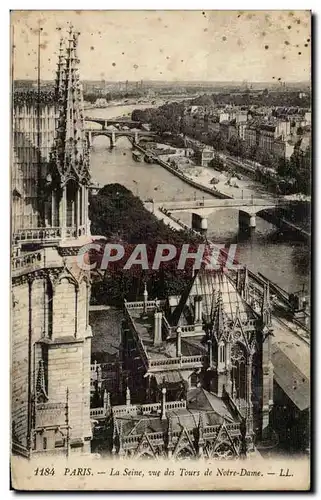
160	258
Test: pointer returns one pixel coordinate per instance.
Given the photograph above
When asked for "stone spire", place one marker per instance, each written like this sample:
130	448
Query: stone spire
219	323
163	404
61	66
246	284
67	423
266	306
145	291
127	396
238	280
71	150
41	384
145	295
201	440
210	353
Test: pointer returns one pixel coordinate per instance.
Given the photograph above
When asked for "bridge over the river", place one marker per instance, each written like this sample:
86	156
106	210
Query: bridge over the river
134	135
107	122
201	209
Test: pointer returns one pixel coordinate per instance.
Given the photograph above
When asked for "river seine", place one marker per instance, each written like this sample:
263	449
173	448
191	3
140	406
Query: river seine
284	261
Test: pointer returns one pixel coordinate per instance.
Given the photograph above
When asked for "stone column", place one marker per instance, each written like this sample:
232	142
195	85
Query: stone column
252	221
78	210
63	212
271	369
53	208
86	218
228	367
247	221
210	353
83	219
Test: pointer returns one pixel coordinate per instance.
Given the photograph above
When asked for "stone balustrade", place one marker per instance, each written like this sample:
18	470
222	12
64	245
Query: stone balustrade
48	234
145	409
40	233
27	260
97	412
155	407
176	363
124	410
150	304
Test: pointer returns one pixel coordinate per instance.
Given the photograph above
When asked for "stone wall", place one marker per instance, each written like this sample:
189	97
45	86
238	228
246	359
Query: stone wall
19	361
25	158
67	364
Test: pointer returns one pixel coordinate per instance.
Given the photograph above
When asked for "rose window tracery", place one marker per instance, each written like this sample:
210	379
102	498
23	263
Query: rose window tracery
237	354
224	452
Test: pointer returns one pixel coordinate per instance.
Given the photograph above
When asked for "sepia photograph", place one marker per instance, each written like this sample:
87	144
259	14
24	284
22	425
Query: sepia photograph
160	183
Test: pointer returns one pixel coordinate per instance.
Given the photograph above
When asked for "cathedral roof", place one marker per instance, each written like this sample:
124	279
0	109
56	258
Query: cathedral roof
210	285
199	398
180	418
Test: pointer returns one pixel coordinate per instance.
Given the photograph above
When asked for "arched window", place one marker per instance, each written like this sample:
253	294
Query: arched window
72	190
224	451
222	353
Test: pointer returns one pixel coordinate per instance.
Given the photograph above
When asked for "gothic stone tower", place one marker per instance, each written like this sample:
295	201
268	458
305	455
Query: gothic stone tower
51	336
239	350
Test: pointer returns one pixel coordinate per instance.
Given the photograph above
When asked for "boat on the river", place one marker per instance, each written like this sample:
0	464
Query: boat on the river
137	156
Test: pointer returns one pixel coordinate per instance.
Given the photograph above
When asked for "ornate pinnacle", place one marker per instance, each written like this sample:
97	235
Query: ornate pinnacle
219	325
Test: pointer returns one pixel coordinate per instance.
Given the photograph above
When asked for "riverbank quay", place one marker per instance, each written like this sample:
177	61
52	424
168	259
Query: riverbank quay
184	177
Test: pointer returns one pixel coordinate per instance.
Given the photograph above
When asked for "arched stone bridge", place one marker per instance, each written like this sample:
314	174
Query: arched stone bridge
200	210
134	135
106	123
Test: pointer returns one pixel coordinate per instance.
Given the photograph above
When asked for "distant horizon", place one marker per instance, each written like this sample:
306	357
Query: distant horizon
185	46
178	82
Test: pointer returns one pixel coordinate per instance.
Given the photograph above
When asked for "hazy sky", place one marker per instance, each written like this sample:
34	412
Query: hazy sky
170	45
